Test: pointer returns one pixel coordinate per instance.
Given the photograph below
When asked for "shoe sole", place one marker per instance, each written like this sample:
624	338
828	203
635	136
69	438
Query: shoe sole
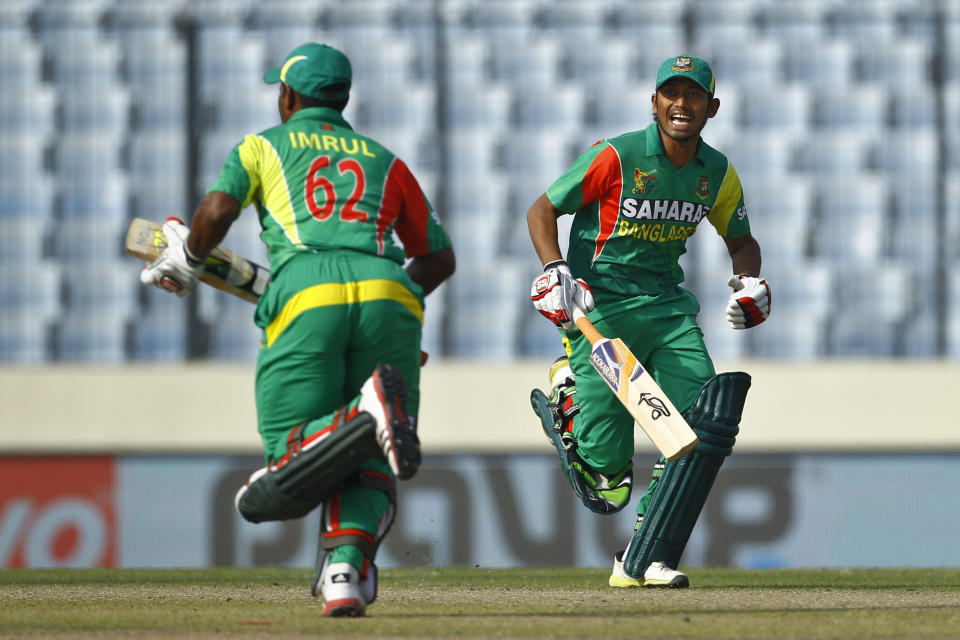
344	608
679	582
403	442
623	583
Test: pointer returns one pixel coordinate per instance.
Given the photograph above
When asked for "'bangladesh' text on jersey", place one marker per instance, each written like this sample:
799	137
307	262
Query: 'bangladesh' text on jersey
318	185
635	210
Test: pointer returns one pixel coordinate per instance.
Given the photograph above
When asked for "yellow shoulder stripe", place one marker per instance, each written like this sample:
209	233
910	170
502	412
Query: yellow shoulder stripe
334	293
727	200
263	164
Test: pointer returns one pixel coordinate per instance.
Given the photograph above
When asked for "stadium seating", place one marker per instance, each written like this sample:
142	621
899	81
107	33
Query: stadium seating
842	119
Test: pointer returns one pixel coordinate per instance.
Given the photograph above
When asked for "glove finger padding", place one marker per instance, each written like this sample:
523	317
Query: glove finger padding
749	304
175	270
554	294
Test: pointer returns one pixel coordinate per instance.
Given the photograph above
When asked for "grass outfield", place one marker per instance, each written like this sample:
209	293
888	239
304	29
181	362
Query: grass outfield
488	603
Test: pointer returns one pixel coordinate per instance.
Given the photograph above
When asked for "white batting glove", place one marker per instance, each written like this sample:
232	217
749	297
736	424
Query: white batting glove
176	269
555	292
749	303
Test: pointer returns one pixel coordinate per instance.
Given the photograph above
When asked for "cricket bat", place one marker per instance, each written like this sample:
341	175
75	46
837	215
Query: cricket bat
222	269
637	391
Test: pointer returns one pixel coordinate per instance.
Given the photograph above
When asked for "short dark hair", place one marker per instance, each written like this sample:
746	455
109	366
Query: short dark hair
338	103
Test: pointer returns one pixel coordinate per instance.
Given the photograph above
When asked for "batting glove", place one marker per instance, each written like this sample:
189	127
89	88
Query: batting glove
555	292
749	303
176	269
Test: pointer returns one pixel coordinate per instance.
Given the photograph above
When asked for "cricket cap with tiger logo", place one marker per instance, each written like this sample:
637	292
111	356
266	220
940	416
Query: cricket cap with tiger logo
696	69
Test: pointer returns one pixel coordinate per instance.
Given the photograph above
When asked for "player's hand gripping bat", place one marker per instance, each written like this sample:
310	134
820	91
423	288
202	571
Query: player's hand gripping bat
637	391
222	269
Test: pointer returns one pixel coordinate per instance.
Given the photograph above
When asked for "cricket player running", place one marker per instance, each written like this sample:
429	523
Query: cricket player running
636	198
338	372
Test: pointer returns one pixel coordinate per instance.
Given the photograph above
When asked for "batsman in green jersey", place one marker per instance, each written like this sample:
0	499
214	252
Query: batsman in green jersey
338	372
636	199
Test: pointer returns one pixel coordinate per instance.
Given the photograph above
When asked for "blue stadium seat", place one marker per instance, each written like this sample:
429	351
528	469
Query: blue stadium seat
559	107
914	107
572	22
503	293
852	220
105	110
864	23
908	153
473	153
526	64
89	241
99	336
825	64
391	64
502	23
875	302
160	332
467	63
802	300
484	107
609	65
756	63
831	153
759	151
21	58
233	336
780	212
31	201
24	339
627	110
787	109
725	24
32	112
898	63
413	108
863	107
21	241
795	24
33	288
111	283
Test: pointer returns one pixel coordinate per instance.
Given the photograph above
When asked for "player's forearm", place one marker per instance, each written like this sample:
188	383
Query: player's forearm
542	224
430	270
745	257
211	221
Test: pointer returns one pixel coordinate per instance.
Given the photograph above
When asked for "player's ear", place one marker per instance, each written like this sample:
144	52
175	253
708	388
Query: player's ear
714	105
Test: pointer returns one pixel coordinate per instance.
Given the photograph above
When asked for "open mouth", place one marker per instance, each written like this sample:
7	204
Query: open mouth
680	120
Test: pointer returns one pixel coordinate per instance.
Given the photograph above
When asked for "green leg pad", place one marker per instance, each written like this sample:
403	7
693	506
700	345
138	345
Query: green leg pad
685	483
308	477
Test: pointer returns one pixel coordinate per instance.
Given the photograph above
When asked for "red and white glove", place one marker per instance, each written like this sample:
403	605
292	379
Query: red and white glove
555	292
749	303
176	269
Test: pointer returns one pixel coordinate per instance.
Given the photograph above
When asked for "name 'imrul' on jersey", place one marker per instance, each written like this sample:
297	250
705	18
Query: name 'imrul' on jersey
634	211
318	185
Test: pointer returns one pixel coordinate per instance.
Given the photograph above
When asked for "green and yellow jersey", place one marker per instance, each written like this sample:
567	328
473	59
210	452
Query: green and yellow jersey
318	185
634	211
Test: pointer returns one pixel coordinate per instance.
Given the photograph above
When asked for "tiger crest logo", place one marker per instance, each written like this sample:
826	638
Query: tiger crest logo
643	180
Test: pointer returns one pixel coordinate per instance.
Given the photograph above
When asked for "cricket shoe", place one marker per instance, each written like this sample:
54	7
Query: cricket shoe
656	575
384	396
340	588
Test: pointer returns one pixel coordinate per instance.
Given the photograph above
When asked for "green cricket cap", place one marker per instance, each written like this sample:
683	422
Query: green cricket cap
311	69
696	69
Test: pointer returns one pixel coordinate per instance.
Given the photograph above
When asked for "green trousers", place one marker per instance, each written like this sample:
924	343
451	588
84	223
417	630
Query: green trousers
662	332
328	319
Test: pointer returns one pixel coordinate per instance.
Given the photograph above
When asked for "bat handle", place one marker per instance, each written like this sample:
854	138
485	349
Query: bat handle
586	327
